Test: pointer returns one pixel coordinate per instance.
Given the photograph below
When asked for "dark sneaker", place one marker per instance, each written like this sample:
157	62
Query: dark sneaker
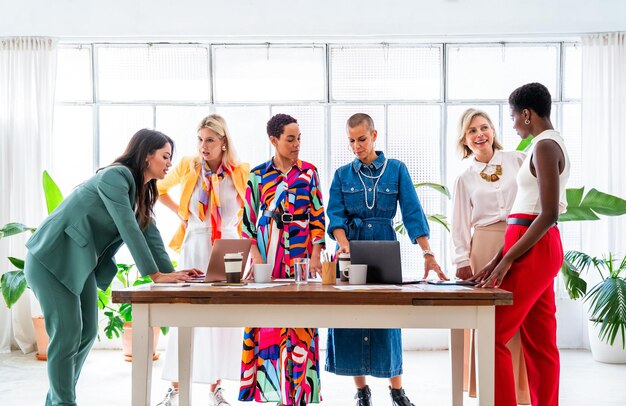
398	398
363	396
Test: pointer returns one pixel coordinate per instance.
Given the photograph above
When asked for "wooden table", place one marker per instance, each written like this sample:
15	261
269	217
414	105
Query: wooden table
313	305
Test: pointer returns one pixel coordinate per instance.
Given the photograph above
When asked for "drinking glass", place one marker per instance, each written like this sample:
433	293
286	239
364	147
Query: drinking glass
301	270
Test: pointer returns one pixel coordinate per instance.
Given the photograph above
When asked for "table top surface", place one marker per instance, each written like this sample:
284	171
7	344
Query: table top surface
314	293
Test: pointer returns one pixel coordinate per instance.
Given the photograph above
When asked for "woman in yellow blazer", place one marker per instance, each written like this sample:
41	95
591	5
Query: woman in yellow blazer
212	187
71	253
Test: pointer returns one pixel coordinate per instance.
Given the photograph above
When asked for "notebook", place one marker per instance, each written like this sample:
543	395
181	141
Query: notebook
383	260
216	272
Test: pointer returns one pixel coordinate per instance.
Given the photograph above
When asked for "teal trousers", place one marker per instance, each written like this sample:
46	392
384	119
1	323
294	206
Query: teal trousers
72	325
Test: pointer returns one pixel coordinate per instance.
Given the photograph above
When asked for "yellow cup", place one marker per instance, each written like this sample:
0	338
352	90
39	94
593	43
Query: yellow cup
329	276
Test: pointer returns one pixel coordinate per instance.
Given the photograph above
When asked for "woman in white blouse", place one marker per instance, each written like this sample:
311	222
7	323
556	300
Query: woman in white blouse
483	196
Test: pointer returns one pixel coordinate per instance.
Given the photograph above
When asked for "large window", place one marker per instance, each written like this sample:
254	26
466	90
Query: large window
414	92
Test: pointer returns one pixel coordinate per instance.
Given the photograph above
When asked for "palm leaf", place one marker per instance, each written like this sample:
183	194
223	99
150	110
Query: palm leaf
575	285
53	194
13	229
13	286
607	301
435	186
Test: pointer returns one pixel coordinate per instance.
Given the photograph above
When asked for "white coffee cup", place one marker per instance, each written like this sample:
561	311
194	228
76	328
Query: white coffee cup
356	274
344	262
262	273
232	265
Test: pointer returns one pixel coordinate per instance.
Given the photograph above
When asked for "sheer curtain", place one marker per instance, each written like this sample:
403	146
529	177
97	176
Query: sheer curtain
604	134
27	82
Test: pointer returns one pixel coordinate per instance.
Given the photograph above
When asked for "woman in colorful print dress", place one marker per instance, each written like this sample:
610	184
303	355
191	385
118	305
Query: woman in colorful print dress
284	217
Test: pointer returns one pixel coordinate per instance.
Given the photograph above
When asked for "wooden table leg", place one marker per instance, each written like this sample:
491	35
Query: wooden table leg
456	364
485	354
142	356
185	364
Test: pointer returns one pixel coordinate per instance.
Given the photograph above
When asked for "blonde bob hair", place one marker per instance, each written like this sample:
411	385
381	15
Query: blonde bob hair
217	124
464	123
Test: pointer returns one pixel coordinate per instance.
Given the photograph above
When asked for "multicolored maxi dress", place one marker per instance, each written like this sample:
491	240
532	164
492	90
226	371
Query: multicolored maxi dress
282	364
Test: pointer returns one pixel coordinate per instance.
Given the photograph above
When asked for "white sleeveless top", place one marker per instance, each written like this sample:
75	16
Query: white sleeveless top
527	199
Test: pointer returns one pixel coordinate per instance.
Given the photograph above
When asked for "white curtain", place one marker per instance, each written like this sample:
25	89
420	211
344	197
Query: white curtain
604	134
27	83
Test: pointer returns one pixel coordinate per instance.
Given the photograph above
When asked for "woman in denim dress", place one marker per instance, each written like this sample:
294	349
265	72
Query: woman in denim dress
364	196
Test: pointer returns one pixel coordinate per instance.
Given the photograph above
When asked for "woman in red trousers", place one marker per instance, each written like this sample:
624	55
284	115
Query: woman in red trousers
532	254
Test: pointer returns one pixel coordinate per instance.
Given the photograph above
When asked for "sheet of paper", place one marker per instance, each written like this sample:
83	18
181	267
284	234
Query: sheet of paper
255	286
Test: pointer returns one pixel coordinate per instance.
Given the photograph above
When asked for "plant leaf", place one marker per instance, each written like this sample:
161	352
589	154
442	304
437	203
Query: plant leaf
115	325
574	196
578	214
104	297
524	144
435	186
13	286
604	203
126	312
165	330
399	227
53	194
608	307
440	219
13	229
575	285
18	263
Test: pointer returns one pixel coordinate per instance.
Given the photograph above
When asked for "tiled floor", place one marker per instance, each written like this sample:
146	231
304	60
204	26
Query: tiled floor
106	381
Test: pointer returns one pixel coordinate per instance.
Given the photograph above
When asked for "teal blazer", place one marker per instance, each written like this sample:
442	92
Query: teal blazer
85	231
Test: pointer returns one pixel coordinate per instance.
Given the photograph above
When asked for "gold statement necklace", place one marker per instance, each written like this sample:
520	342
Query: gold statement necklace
491	177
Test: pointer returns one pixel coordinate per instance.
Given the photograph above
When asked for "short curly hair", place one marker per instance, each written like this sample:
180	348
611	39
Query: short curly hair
532	96
276	125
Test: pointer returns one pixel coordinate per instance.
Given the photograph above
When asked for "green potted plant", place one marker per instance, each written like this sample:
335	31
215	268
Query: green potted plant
13	283
119	316
606	301
435	218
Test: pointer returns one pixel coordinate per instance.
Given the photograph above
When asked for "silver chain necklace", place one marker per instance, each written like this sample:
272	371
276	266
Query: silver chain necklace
375	185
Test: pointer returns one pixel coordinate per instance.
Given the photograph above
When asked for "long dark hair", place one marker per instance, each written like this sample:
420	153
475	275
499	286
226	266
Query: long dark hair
144	143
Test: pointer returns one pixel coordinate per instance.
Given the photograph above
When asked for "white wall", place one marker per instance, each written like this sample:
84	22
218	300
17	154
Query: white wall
268	19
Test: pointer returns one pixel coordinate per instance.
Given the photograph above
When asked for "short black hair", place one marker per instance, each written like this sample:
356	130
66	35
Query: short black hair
533	96
276	125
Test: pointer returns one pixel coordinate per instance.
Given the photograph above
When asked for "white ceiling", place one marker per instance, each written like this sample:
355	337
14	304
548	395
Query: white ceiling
242	20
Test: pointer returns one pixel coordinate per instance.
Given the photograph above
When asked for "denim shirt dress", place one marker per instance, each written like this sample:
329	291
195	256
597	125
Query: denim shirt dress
380	350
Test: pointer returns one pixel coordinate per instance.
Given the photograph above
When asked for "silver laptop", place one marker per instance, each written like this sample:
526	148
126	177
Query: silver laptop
383	260
216	272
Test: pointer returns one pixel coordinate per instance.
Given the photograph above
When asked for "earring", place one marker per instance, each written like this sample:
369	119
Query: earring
527	121
224	148
148	162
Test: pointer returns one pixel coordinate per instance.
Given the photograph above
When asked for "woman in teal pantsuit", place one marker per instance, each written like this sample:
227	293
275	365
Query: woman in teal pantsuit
71	253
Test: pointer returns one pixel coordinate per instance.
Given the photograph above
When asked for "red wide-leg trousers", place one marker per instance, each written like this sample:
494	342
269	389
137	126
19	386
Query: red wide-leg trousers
531	279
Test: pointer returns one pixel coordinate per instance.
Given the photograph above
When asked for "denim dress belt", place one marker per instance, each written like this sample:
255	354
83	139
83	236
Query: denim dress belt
284	218
355	224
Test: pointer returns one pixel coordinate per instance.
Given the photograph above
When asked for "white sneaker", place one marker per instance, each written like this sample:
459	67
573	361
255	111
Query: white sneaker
170	399
217	398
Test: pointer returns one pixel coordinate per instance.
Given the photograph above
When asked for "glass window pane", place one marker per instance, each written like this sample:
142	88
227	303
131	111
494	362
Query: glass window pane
74	74
510	139
247	128
153	72
181	123
572	72
414	138
312	127
117	126
385	73
260	73
73	125
494	71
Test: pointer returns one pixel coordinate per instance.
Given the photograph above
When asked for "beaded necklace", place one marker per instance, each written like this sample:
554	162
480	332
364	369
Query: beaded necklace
377	177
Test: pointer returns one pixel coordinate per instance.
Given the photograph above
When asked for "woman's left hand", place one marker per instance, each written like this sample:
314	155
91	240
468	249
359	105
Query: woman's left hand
493	276
430	263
